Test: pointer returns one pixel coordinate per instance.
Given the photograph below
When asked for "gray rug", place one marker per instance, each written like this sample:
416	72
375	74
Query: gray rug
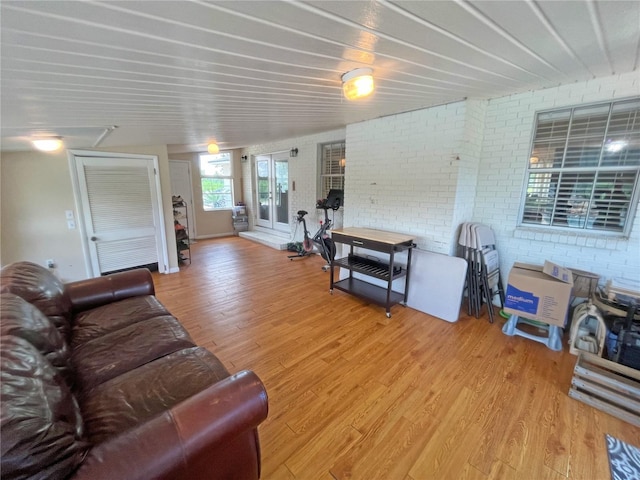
624	459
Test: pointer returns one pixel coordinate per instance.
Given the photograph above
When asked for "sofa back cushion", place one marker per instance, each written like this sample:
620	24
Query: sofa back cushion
40	421
42	288
22	319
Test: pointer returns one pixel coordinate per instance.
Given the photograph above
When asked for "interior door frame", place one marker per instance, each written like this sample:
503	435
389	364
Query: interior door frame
259	221
161	236
191	214
273	158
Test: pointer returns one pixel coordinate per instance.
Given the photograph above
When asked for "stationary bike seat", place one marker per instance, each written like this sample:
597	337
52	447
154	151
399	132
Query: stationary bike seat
302	213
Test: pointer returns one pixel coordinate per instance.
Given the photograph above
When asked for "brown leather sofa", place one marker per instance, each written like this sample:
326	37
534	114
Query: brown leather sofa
100	381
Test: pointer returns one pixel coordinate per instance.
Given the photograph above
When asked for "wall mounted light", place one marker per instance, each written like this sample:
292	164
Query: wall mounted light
213	148
343	162
293	152
244	158
47	144
357	83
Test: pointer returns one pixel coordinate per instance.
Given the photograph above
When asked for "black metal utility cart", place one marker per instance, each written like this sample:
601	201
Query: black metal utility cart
382	241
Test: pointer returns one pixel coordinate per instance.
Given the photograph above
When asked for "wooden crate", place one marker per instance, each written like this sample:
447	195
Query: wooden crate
607	386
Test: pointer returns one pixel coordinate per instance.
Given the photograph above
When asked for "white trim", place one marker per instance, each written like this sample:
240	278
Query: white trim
216	235
192	210
163	263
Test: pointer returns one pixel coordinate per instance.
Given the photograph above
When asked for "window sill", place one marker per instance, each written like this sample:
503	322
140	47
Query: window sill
607	241
225	209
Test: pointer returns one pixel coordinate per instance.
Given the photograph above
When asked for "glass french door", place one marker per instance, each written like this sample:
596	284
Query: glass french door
272	191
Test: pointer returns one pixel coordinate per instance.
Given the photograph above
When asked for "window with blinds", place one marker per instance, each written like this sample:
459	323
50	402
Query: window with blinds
583	168
332	165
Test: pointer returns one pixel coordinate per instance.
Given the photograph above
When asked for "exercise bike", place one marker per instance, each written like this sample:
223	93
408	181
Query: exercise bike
321	238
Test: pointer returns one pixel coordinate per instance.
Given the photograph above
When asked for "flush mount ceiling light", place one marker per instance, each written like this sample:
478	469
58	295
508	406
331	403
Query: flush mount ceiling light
357	83
47	144
213	148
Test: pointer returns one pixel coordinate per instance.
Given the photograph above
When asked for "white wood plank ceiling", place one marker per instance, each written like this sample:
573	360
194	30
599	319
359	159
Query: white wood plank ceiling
183	73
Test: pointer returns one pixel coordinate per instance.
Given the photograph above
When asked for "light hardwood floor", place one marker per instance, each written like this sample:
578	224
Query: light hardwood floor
353	394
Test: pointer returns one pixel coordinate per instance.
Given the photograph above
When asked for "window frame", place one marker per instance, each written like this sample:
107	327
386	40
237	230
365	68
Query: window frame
227	178
584	230
321	167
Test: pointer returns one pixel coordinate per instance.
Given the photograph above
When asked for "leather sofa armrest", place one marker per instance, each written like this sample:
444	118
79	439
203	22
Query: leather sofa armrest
94	292
167	446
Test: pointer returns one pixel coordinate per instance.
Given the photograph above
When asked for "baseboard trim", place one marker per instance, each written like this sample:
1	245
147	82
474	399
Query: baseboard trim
216	235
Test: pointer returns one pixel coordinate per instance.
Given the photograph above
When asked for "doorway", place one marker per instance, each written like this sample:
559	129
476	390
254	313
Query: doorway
180	173
272	191
119	211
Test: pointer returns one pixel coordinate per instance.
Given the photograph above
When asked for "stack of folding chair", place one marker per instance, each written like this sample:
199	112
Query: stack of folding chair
477	245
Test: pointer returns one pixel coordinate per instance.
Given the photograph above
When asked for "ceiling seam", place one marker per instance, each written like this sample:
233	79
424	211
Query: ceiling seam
189	69
307	52
597	27
251	57
287	93
503	33
353	24
452	36
555	34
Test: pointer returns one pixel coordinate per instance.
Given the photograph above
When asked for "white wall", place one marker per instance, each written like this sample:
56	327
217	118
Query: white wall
36	191
470	152
212	223
421	173
508	128
303	170
403	172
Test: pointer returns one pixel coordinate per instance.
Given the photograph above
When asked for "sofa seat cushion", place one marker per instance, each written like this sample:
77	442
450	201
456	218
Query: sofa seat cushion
108	318
138	395
40	421
22	319
115	353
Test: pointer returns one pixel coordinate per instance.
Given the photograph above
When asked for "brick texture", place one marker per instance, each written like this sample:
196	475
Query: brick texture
424	172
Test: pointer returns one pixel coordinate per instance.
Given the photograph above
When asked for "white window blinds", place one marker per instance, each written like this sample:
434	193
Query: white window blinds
583	168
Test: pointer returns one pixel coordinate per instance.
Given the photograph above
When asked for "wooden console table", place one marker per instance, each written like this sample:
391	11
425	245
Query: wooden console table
379	241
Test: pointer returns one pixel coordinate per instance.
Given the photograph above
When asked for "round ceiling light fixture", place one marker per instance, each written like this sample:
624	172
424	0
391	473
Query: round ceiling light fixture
213	148
357	83
47	144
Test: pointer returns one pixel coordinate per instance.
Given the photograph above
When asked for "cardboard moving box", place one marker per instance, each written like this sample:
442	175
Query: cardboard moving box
538	292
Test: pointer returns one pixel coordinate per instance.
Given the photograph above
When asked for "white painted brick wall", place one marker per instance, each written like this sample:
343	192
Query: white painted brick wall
303	170
508	130
402	174
470	151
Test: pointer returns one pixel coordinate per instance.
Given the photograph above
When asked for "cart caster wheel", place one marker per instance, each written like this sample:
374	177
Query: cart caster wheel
388	314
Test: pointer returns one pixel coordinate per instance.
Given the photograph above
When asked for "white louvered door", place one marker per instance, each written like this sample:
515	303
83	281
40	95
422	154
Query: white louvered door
121	216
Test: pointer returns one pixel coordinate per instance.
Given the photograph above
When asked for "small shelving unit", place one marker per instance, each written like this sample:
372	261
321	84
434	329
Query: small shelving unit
181	225
379	241
240	219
